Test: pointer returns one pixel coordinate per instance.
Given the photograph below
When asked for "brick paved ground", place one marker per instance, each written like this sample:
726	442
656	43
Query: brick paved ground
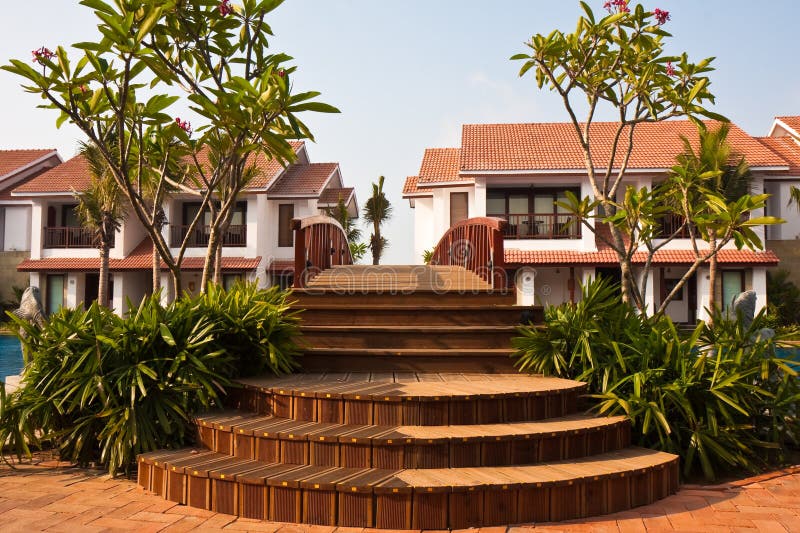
51	498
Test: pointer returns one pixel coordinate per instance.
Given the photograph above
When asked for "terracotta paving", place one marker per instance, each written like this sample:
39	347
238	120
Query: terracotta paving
50	497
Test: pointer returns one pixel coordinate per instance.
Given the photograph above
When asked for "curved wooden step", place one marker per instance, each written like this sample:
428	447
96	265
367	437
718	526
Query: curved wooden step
356	297
397	398
403	499
431	315
277	439
404	337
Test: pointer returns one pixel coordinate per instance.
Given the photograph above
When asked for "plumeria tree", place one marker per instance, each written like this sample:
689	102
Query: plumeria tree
616	61
217	53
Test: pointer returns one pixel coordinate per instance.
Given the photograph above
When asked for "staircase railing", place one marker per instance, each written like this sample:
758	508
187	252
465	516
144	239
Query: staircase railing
477	245
319	243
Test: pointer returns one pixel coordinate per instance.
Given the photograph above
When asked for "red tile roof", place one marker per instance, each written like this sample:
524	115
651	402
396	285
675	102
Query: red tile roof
281	266
332	195
268	168
139	259
72	175
440	165
302	180
410	187
791	121
787	148
554	146
609	257
13	160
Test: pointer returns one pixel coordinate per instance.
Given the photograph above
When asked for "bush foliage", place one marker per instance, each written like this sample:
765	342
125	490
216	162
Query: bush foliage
104	388
719	397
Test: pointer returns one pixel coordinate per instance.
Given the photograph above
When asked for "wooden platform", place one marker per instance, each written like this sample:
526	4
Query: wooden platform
409	414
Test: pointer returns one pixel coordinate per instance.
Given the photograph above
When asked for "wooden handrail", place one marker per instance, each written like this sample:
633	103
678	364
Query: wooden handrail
319	243
477	245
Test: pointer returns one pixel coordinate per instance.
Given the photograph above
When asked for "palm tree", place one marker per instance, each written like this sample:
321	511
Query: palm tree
353	232
377	210
723	172
100	209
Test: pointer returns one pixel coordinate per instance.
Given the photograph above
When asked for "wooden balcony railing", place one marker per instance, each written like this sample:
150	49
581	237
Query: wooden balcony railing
235	236
69	237
541	226
671	224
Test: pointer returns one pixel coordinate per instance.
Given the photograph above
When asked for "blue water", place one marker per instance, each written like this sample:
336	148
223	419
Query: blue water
10	356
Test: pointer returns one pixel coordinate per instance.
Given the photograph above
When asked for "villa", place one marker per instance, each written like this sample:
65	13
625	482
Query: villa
519	171
258	245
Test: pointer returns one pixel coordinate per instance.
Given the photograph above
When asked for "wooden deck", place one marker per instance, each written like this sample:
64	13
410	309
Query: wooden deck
409	414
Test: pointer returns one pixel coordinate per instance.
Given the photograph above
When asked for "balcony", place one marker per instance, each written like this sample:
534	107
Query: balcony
541	226
235	236
69	237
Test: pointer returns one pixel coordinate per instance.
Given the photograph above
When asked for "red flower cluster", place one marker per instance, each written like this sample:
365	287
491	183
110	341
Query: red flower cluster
41	54
185	125
661	16
617	6
225	8
281	73
670	69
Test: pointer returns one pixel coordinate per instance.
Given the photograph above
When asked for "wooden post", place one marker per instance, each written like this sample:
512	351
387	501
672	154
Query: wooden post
499	259
299	254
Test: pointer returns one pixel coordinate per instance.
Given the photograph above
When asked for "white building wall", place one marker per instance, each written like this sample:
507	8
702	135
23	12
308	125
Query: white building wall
424	238
759	282
17	230
37	223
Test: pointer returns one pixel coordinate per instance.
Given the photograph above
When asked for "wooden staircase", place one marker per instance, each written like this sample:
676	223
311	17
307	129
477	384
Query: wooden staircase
409	415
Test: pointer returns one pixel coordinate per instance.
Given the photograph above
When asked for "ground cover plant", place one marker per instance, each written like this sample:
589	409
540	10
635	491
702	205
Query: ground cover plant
104	388
719	396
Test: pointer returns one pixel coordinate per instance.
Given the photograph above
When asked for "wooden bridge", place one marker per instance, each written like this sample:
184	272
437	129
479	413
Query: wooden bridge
408	412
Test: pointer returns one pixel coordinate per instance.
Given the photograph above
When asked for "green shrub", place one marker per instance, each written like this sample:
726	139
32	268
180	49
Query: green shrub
104	388
719	397
254	326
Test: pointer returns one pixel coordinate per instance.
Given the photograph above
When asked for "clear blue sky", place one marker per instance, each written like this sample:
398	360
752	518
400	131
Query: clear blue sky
407	75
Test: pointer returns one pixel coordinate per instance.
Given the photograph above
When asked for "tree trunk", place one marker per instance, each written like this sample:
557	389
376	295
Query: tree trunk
211	255
712	277
102	286
156	267
177	286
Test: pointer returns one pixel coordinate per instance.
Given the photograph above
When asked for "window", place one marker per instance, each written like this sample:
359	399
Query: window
459	207
732	285
285	216
54	298
533	212
669	285
229	280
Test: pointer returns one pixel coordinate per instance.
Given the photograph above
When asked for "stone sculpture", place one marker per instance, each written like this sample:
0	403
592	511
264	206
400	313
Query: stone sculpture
30	307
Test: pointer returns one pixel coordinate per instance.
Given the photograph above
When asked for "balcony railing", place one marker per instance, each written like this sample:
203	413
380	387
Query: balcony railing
235	236
541	226
69	237
671	224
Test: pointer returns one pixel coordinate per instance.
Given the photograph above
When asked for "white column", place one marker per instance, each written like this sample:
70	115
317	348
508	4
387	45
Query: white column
760	287
479	207
650	292
757	187
72	296
118	298
37	225
702	292
166	288
588	241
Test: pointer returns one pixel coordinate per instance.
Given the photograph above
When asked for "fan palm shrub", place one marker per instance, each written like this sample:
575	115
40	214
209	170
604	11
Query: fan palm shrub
720	396
104	388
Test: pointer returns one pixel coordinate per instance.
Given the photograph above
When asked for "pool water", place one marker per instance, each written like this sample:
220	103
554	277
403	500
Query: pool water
10	356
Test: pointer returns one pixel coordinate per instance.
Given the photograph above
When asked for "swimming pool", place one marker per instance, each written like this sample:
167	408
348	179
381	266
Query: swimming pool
10	356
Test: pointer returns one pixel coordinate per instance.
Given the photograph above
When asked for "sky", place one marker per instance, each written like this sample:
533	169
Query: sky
407	75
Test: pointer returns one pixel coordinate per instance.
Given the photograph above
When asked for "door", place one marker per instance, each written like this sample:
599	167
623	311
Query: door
458	207
54	299
90	289
732	285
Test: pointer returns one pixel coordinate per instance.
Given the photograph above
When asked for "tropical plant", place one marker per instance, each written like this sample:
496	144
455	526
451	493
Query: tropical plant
100	209
618	63
377	210
719	396
255	327
353	232
427	255
716	168
104	388
784	298
219	56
